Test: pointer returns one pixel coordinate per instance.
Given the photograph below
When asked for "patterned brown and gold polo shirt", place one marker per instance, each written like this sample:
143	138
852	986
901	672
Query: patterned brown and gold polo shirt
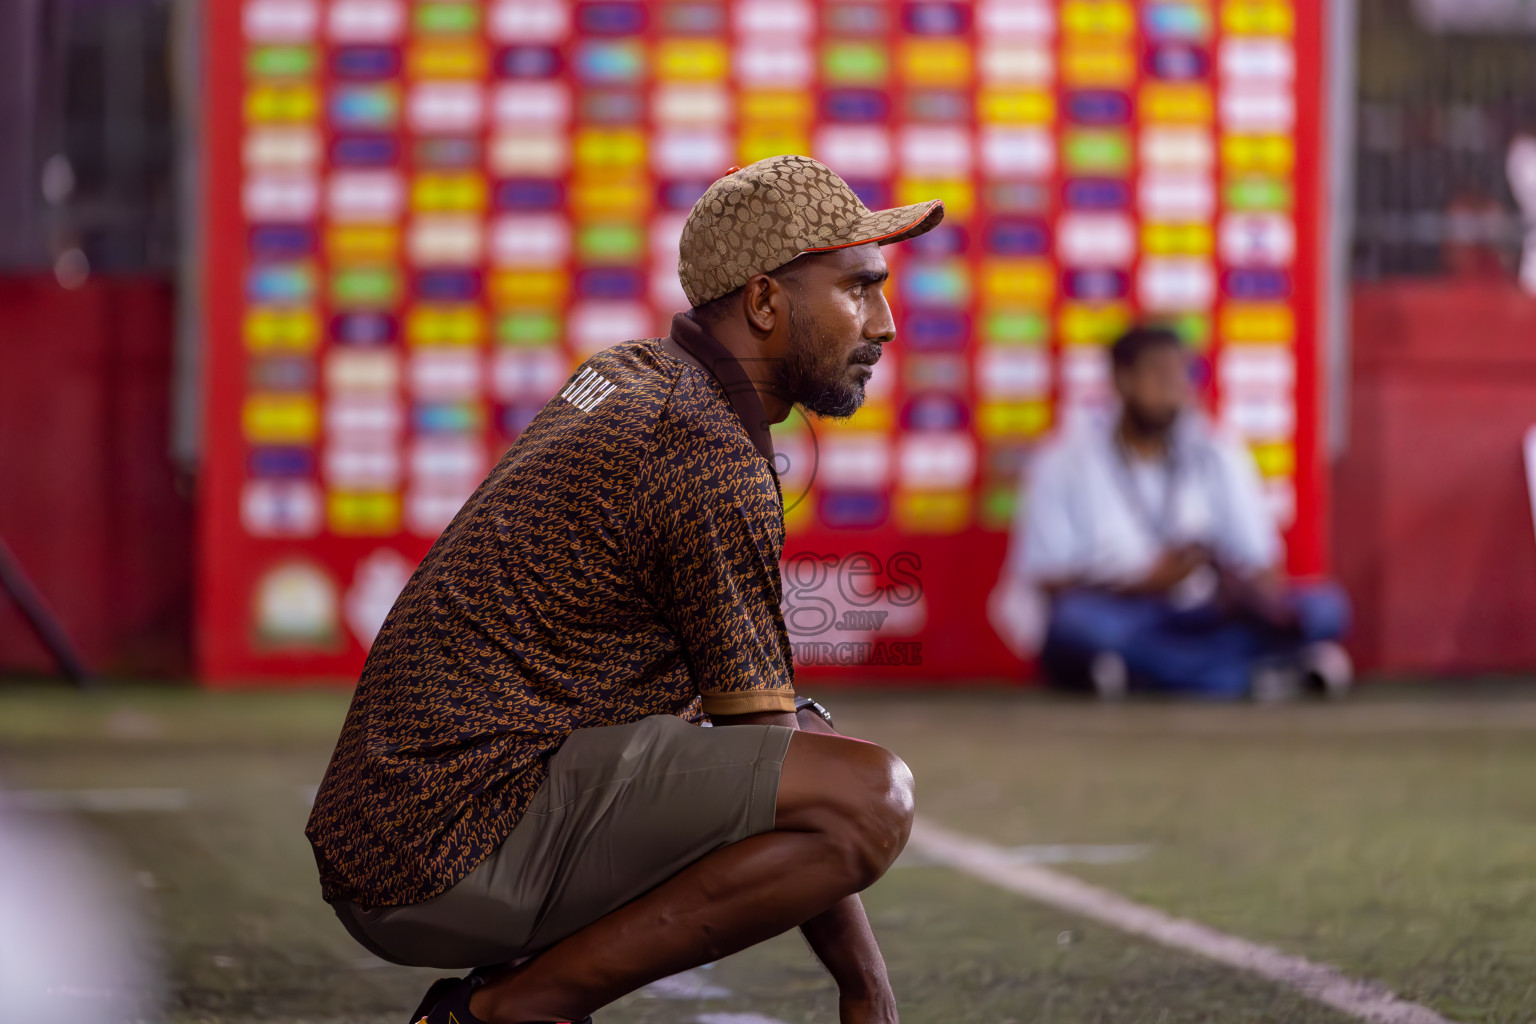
622	560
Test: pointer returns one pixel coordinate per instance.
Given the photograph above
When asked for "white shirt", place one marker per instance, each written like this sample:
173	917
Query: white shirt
1079	516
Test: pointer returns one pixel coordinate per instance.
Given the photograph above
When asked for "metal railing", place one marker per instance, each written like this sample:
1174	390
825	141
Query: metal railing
1436	115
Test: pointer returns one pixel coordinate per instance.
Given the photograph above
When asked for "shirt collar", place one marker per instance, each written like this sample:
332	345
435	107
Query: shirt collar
732	376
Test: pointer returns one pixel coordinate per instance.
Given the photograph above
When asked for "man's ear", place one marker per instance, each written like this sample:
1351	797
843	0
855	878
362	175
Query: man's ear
759	300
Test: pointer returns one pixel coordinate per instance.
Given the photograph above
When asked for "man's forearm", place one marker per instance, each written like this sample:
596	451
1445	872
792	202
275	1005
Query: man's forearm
1055	587
840	936
842	940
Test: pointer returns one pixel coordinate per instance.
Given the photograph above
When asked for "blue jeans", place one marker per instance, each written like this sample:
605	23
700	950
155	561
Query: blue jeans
1201	652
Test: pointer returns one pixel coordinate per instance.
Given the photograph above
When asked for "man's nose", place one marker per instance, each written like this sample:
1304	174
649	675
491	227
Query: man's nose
881	328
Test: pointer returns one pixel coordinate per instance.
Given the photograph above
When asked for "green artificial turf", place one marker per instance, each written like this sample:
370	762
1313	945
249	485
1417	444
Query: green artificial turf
1395	839
1392	837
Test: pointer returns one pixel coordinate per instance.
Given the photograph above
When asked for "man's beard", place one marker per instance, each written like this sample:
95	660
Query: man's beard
815	375
1148	425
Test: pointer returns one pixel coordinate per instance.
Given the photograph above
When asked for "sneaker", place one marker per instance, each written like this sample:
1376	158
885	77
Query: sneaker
1327	669
447	1002
1274	683
1111	679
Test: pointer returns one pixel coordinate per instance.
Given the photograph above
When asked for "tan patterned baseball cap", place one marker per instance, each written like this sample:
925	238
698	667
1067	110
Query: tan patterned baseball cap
759	217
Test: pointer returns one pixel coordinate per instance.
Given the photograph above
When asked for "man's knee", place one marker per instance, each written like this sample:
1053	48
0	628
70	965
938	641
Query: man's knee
883	818
861	798
1088	621
1322	610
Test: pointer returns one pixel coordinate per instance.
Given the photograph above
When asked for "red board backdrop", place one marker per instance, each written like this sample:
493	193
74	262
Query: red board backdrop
423	214
92	508
1433	505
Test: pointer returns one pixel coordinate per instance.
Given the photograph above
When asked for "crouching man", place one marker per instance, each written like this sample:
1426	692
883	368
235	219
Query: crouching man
524	784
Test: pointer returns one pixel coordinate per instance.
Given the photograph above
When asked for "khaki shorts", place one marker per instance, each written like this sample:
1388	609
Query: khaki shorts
625	808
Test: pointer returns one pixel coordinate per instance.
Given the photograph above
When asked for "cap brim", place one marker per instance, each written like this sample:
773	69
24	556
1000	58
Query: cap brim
894	225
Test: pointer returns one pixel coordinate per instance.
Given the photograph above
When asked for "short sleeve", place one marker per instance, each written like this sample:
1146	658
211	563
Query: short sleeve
714	536
1246	534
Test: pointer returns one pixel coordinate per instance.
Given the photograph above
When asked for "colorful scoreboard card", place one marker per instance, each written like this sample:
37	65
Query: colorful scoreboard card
421	215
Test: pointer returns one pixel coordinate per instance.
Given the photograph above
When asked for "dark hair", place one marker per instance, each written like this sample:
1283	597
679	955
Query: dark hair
1128	349
716	310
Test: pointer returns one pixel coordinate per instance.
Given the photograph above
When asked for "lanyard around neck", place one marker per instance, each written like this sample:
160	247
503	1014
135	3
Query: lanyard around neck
1160	526
740	392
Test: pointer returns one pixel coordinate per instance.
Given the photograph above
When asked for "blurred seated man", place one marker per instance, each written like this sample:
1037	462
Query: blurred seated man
1149	533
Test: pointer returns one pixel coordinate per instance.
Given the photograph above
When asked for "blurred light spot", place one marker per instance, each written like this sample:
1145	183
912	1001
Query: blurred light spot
58	179
71	269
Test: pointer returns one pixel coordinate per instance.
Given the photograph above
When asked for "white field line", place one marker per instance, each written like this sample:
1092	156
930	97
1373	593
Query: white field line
688	985
1054	853
1063	853
1366	1000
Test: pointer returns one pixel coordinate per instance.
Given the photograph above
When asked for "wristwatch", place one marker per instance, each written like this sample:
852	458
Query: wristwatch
808	704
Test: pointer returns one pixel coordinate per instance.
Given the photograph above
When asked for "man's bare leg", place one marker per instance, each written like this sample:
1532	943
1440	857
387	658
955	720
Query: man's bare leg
844	811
